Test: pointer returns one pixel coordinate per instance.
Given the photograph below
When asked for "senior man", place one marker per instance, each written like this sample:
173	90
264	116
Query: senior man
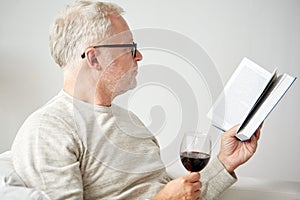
81	146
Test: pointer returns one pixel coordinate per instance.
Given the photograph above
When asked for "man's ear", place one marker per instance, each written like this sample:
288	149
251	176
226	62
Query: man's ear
91	56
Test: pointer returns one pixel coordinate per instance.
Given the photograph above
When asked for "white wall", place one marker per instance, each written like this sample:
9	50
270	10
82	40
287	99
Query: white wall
266	31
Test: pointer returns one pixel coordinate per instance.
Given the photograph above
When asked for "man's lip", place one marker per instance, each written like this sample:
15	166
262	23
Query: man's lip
135	70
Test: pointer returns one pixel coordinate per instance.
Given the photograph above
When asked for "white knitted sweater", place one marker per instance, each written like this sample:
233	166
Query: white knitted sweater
74	150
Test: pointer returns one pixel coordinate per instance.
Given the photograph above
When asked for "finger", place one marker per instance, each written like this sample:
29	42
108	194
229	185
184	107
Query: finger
257	133
197	195
253	139
197	186
261	125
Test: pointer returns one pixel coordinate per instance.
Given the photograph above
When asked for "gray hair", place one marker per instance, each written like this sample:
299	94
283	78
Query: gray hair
81	24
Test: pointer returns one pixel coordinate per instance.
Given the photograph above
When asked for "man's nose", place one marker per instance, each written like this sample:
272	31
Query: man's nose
138	56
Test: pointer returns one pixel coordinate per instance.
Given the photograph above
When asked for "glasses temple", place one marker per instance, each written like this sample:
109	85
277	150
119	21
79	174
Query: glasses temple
115	46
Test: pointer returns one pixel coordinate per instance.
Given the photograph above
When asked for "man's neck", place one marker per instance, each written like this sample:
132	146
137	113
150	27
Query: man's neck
90	96
86	90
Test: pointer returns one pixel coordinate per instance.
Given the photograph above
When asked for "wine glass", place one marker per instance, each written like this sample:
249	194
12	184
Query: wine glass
195	151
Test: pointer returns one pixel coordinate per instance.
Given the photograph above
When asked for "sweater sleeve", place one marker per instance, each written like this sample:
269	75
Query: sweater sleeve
215	180
46	156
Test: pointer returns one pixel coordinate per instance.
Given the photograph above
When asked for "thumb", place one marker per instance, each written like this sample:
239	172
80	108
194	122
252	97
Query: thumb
192	177
233	130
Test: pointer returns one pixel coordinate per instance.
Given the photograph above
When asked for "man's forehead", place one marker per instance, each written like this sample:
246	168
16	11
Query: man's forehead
121	29
122	37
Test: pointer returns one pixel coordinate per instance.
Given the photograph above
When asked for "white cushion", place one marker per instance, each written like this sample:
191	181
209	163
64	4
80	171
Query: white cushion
11	185
21	193
8	176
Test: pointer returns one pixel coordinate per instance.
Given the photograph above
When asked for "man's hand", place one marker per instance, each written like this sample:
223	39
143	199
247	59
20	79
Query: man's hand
233	153
186	187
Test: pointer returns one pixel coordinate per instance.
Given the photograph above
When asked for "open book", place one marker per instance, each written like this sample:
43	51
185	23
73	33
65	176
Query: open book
247	99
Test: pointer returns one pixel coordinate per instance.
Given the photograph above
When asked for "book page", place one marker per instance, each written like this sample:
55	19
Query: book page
266	104
240	95
270	86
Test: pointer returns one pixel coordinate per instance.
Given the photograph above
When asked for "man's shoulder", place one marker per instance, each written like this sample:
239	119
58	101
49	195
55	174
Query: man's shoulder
57	109
51	122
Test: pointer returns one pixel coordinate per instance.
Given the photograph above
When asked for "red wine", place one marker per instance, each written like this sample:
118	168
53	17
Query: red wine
194	161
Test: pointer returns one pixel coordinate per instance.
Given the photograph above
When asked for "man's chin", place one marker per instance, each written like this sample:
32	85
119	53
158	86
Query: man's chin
124	90
133	84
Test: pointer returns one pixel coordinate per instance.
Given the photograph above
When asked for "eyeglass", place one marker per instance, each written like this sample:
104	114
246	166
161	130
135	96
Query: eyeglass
133	46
